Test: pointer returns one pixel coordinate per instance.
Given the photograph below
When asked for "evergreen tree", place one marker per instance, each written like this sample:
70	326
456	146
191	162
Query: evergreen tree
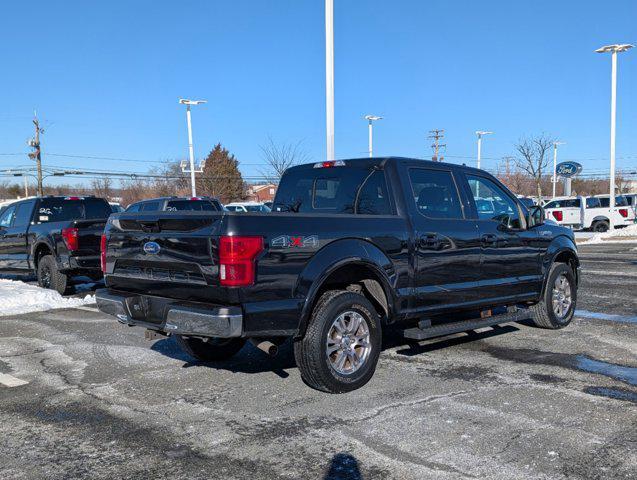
221	176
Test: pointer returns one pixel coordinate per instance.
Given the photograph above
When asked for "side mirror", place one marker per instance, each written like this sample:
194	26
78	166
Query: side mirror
537	216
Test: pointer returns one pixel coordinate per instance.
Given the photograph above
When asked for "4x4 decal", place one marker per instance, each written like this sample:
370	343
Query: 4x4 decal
295	241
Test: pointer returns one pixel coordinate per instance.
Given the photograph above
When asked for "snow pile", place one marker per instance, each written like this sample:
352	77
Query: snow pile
19	297
618	234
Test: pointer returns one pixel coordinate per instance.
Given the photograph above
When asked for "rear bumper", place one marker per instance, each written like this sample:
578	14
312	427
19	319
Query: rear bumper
89	263
171	316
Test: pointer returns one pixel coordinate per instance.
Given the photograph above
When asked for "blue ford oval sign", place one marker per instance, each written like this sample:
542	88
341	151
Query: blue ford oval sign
152	248
568	169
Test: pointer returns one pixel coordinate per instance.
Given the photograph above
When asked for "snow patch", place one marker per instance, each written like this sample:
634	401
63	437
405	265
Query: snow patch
18	297
618	235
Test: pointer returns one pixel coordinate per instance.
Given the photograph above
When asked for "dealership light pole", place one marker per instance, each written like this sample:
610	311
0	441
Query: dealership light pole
555	144
370	119
329	76
191	149
613	49
480	133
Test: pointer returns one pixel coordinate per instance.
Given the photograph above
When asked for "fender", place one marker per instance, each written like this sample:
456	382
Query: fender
334	256
600	217
560	245
40	241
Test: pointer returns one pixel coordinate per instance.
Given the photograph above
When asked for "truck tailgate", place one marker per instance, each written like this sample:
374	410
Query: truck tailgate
170	254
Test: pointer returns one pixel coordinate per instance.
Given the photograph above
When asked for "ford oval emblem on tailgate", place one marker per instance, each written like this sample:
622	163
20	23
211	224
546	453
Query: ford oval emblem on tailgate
152	248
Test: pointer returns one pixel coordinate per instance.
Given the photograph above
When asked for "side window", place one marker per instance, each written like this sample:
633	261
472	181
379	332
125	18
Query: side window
372	198
150	207
435	193
492	203
133	208
23	214
7	217
593	203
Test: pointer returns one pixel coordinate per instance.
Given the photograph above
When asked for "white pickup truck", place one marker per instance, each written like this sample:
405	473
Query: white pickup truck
584	213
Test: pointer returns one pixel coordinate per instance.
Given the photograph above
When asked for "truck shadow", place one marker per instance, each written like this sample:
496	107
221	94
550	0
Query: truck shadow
252	360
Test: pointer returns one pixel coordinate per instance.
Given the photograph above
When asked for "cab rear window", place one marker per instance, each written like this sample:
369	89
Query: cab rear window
337	190
197	205
61	209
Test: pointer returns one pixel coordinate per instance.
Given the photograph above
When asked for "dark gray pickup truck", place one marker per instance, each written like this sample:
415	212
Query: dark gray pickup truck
54	237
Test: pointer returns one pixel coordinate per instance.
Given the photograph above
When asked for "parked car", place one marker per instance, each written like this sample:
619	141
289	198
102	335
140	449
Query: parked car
589	213
252	207
54	237
175	204
116	207
351	248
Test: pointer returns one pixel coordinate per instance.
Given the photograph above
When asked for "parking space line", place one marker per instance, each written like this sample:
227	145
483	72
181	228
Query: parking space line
612	274
606	316
11	381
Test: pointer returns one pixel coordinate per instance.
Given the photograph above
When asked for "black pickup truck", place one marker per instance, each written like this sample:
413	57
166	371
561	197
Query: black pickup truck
351	247
54	237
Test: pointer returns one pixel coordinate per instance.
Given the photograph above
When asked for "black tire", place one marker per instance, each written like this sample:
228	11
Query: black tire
49	276
311	355
211	349
544	314
601	226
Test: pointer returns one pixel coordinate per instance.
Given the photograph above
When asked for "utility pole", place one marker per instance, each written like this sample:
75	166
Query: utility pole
437	135
507	162
36	154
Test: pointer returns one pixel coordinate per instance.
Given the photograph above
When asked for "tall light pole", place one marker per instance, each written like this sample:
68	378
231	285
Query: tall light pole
370	119
555	144
480	133
329	76
191	149
613	49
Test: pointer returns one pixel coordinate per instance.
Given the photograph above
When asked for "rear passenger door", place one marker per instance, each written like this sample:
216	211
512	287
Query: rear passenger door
446	243
511	269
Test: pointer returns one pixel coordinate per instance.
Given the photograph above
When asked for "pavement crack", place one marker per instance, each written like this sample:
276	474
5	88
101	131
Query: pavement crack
410	403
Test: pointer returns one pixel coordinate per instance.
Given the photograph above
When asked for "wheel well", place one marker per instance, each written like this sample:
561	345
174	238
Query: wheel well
569	259
361	279
40	251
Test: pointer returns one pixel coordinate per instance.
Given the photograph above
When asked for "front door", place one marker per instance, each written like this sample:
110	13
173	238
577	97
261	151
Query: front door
511	268
446	242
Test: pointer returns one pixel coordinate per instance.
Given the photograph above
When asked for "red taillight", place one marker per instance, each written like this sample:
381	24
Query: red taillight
103	253
237	256
73	198
195	198
623	212
71	239
329	164
559	216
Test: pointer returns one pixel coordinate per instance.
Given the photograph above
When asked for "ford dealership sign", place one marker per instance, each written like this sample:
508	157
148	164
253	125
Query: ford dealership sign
568	169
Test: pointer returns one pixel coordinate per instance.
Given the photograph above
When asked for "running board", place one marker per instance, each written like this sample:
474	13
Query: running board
425	330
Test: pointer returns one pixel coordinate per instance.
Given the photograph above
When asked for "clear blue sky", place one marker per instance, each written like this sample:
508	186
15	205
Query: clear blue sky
105	77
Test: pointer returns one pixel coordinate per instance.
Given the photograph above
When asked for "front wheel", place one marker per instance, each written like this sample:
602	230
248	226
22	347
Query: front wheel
557	306
209	349
341	346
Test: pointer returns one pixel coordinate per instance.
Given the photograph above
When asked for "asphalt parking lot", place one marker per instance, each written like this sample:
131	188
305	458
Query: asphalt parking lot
510	402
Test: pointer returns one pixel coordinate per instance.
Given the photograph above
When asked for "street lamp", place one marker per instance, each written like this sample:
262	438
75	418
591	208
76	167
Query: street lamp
371	118
480	133
555	144
329	77
613	49
191	150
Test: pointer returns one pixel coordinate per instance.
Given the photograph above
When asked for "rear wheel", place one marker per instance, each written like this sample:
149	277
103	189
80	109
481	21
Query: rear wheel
209	349
342	343
49	276
560	297
601	226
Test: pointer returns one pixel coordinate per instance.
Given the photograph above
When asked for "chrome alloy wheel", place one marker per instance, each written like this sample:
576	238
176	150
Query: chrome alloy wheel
561	296
348	343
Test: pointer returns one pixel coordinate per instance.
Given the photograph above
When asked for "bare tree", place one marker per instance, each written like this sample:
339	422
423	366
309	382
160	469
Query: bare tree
534	159
103	187
281	157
